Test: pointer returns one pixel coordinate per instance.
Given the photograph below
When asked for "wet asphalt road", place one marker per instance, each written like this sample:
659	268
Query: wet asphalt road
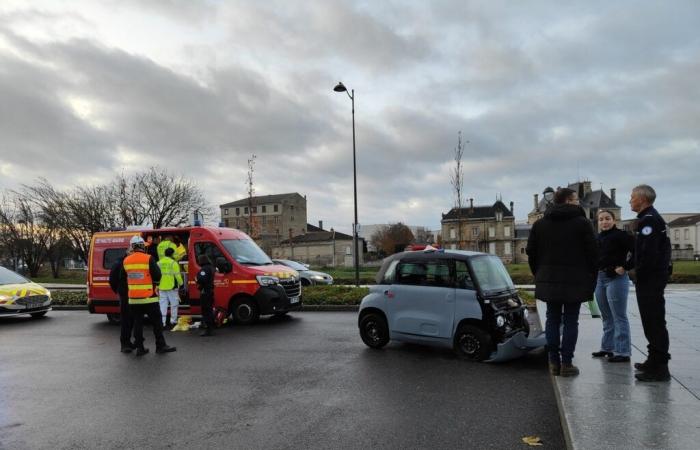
306	381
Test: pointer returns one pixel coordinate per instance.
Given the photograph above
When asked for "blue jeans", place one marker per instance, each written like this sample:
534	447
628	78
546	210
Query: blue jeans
611	296
562	343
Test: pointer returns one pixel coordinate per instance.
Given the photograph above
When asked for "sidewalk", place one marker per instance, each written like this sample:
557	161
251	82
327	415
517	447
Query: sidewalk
605	407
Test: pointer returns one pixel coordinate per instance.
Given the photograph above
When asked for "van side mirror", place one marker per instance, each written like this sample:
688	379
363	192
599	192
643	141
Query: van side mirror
223	265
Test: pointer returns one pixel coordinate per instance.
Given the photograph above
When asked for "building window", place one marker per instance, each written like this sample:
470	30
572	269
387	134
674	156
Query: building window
291	207
264	220
492	232
226	223
475	231
225	211
291	218
522	250
492	248
499	216
238	211
506	231
264	208
507	249
275	208
677	234
245	210
453	233
686	234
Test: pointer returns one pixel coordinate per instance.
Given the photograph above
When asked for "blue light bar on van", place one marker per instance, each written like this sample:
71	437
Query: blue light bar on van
197	223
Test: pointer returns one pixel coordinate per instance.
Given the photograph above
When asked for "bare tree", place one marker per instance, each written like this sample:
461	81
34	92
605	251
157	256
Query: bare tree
457	181
251	228
390	239
169	200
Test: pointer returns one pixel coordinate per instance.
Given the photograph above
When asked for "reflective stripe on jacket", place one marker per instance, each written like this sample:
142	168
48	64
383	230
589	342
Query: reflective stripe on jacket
138	277
170	274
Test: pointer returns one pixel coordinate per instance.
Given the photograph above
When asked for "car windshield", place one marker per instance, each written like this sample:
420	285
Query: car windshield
9	277
293	264
490	273
246	251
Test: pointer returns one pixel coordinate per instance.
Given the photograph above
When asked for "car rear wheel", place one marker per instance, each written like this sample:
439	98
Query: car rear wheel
245	312
36	315
114	319
471	342
374	331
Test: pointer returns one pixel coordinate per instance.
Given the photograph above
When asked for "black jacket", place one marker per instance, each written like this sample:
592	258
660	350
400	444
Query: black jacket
117	279
615	249
205	279
652	252
563	255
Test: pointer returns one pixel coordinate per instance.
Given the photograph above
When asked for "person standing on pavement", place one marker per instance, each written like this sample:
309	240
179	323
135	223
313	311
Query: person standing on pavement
117	281
562	255
205	284
142	275
652	261
168	289
614	260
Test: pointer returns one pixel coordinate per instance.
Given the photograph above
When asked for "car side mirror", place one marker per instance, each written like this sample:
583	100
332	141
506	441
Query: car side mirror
223	265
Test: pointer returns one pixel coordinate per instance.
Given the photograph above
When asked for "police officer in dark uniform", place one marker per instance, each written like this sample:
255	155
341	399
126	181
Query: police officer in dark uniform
652	261
205	284
117	281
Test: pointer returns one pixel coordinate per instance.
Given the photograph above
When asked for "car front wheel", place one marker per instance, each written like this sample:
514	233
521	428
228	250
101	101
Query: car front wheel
374	331
471	342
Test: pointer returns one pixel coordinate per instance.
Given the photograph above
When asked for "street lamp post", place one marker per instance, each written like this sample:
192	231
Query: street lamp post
340	87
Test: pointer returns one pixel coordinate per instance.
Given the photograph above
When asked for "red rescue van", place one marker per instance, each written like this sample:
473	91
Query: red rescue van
247	283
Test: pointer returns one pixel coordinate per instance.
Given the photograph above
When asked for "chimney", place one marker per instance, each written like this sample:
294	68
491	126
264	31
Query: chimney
471	204
511	209
586	188
612	194
537	201
320	224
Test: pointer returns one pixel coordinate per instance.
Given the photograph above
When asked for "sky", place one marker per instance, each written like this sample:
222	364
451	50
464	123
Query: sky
543	93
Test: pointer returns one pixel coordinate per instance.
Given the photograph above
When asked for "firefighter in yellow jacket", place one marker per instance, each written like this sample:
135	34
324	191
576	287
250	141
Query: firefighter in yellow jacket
143	276
170	281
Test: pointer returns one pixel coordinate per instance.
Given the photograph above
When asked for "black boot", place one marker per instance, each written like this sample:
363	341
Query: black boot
208	331
166	349
658	373
141	351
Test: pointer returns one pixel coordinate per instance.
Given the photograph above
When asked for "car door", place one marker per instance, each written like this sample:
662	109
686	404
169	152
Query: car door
421	300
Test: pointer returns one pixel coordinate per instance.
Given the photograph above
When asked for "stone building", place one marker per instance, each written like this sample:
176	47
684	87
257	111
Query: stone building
684	233
489	228
268	219
319	247
591	201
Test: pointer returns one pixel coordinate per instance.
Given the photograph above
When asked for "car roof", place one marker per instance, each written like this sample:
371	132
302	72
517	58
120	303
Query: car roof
426	255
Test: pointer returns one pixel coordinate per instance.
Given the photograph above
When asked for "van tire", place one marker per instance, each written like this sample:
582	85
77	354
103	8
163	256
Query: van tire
472	342
374	331
114	319
245	311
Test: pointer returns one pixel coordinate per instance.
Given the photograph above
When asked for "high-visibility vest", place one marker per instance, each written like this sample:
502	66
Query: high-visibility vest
180	251
169	273
164	245
138	278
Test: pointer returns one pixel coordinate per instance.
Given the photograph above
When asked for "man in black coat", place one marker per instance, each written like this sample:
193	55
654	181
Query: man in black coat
652	259
117	281
562	255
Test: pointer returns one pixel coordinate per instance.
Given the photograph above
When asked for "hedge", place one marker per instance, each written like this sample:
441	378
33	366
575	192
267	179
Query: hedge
333	295
60	297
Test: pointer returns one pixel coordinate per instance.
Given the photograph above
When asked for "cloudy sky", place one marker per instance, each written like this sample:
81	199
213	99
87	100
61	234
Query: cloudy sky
546	93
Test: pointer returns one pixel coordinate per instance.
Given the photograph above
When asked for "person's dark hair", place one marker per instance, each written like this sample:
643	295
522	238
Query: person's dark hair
169	252
562	195
176	240
203	259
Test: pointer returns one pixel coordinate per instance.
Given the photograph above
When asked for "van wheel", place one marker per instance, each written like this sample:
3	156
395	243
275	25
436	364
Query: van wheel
471	342
246	312
114	319
36	315
374	331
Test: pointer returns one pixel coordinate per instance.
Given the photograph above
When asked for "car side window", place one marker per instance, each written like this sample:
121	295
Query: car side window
464	280
424	273
207	248
390	273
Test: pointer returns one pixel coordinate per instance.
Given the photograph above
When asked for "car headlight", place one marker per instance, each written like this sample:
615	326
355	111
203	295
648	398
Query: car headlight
267	280
5	298
500	321
317	277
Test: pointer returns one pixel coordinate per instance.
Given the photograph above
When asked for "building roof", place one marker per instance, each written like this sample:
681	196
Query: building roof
478	212
522	230
685	221
593	199
263	199
318	236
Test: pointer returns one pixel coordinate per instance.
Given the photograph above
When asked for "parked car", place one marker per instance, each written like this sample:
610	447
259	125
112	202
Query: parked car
450	298
19	296
308	277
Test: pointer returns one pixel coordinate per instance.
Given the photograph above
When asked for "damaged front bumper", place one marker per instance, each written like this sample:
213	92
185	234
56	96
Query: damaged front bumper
516	346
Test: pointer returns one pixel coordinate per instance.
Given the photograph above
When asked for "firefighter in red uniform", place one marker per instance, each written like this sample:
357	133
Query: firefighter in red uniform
143	274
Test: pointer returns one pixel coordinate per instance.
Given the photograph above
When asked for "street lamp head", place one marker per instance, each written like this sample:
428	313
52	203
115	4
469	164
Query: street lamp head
340	87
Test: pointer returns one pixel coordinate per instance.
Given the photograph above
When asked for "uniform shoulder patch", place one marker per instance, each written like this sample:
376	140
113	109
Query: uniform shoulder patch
204	273
646	231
